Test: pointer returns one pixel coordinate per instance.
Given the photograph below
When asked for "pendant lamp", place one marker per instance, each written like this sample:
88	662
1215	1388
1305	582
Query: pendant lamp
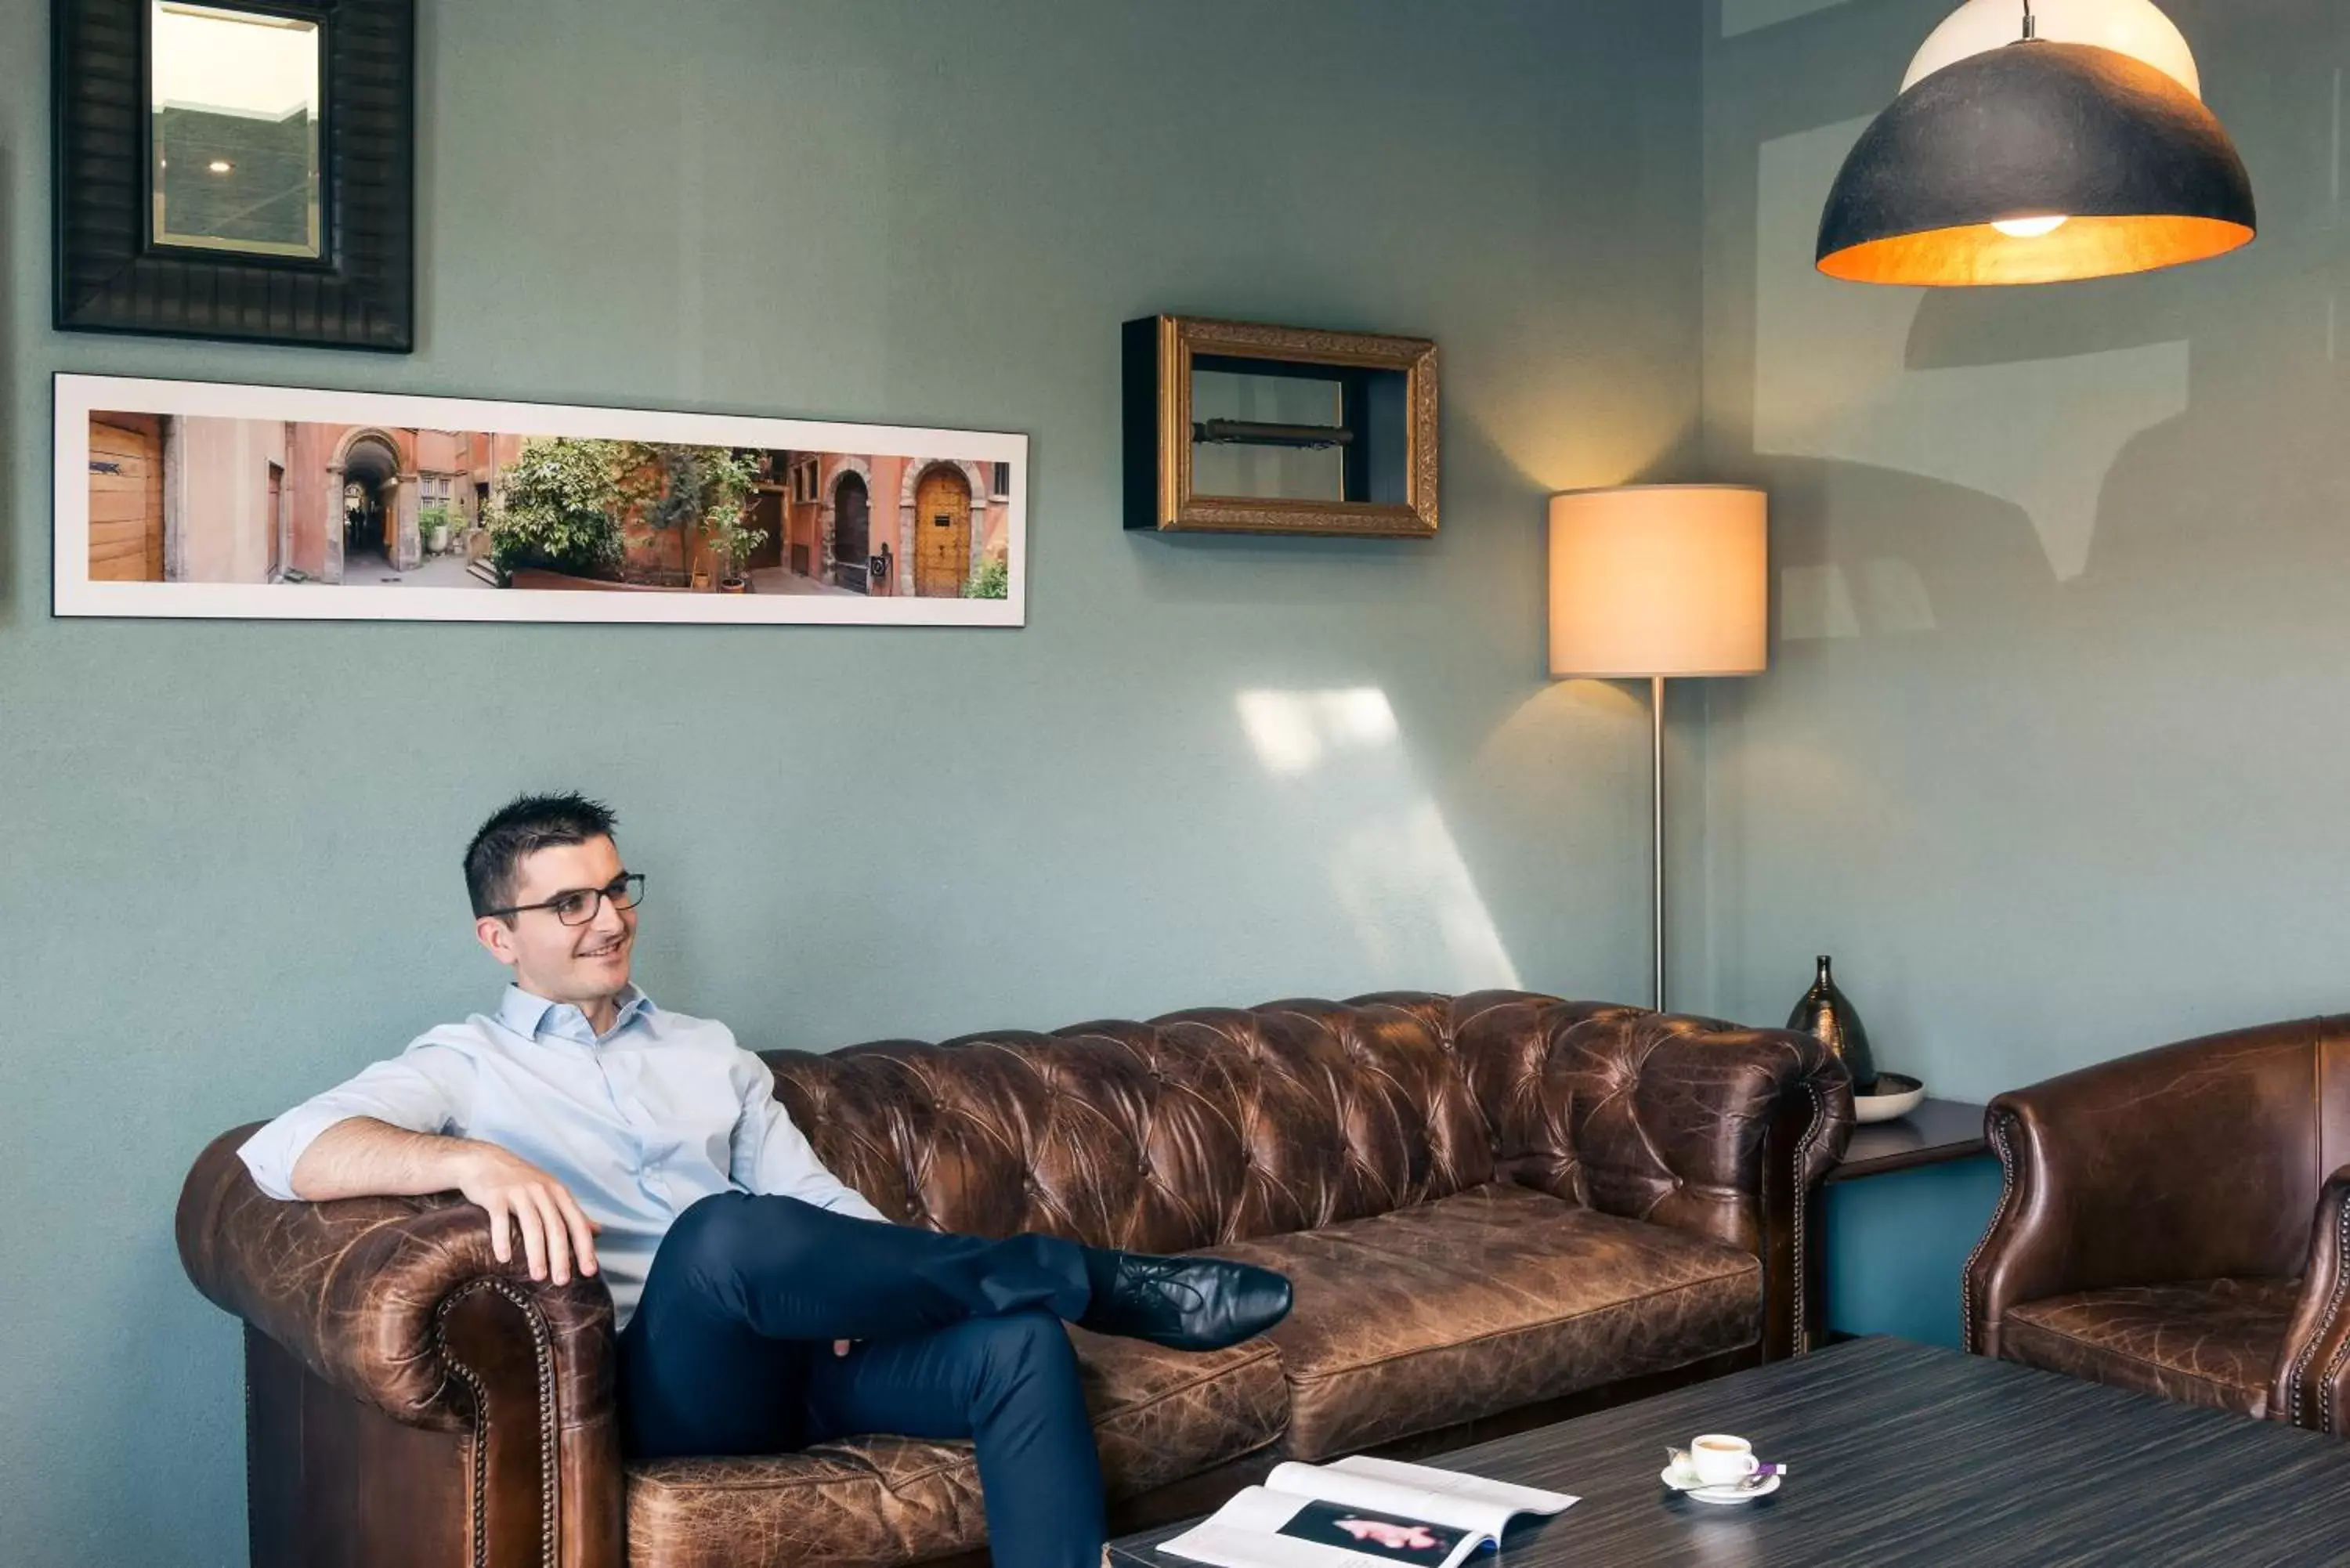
2071	151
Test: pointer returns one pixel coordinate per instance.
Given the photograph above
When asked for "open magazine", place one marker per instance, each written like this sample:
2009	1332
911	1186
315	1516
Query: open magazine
1358	1512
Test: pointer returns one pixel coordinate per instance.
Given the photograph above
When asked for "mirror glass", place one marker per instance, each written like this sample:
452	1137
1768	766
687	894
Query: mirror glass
235	98
1256	436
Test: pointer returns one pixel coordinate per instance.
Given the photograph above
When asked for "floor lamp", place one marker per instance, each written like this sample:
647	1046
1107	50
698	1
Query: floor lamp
1654	582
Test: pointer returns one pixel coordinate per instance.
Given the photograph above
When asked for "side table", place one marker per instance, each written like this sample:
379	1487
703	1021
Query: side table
1937	1133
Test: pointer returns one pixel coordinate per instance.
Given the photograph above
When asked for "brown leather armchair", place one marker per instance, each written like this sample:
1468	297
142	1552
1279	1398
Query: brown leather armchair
2177	1222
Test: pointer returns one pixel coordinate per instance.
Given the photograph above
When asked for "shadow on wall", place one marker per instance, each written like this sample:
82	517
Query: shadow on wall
12	438
1746	16
1834	376
2058	568
2053	400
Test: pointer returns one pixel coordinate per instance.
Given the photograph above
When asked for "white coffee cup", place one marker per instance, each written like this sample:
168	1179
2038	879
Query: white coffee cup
1721	1461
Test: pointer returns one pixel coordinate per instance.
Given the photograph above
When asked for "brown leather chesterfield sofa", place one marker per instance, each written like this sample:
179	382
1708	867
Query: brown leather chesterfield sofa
1490	1206
2177	1222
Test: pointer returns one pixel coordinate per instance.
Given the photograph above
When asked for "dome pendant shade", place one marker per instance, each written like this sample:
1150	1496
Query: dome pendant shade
2142	170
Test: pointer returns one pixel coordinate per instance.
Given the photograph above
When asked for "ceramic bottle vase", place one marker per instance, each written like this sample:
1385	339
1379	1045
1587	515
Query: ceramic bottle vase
1826	1014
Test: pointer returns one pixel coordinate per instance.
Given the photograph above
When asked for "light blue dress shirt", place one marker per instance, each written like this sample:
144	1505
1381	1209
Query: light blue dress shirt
639	1122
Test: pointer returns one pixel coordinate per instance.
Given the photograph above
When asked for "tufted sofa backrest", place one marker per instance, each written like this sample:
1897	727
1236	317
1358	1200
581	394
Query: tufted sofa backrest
1195	1129
1215	1125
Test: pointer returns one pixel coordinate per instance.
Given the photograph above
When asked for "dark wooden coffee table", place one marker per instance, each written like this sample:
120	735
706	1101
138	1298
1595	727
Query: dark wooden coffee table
1903	1454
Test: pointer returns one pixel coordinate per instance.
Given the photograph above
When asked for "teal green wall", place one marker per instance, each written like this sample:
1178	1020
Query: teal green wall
1898	1243
2049	755
231	848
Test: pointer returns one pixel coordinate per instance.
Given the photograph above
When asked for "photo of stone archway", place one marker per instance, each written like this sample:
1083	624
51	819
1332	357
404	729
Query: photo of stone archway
375	518
272	501
198	499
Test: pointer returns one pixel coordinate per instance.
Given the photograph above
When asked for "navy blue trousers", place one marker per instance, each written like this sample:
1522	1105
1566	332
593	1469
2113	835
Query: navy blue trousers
730	1352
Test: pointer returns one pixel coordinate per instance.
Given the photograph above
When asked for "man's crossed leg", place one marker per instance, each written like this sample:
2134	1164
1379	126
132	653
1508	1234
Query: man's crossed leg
730	1351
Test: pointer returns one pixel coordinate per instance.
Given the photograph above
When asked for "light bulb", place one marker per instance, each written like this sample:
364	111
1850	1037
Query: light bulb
220	166
2030	228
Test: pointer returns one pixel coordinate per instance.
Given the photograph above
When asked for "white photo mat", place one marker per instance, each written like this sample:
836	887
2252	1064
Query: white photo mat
77	398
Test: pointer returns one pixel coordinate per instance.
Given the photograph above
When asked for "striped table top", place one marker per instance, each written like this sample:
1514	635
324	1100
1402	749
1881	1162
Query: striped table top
1902	1454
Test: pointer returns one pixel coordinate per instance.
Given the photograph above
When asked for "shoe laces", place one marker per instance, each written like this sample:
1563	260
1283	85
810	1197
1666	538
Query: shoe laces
1162	1275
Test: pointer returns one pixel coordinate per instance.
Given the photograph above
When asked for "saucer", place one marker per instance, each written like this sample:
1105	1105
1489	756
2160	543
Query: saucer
1686	1484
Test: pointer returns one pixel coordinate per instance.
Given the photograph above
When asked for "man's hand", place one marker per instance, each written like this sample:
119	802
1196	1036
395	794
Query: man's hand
518	1196
359	1156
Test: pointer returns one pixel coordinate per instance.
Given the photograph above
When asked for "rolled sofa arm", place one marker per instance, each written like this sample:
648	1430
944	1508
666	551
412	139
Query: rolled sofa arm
2192	1162
2314	1378
1720	1131
400	1304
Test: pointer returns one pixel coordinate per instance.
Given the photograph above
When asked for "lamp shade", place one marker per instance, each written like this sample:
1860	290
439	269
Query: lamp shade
2135	27
2036	163
1659	580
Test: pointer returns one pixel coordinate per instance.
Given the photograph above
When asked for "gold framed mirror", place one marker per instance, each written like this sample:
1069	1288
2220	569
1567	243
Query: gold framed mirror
1244	428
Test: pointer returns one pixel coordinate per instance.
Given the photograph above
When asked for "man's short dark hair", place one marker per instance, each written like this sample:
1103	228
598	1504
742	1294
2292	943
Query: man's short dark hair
522	826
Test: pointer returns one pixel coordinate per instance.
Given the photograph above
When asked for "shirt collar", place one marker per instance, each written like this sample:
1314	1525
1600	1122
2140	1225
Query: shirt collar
528	1015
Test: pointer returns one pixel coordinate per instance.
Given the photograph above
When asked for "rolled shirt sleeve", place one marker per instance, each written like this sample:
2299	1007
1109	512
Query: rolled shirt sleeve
425	1089
772	1157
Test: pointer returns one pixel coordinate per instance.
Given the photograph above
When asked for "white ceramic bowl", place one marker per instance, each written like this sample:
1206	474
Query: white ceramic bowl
1895	1097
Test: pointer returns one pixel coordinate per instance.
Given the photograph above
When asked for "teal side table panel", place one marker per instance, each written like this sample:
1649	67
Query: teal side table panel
1897	1244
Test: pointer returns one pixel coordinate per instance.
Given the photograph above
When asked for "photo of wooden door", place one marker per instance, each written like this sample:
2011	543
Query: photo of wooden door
126	498
942	534
851	528
767	514
276	520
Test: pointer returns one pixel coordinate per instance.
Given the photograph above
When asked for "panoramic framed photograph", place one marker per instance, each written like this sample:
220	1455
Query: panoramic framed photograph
206	499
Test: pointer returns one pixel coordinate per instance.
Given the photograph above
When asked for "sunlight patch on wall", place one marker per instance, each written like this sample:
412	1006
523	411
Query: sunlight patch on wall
1746	16
1294	731
1832	379
1394	869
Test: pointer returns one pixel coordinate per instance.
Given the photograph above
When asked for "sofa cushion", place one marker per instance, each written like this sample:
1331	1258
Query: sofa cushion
1159	1417
1493	1298
2208	1342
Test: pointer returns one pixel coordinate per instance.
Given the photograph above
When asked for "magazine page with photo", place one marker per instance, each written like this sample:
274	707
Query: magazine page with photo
1370	1533
1359	1512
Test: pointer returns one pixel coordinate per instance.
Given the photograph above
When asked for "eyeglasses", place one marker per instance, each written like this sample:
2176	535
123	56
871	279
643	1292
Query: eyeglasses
578	906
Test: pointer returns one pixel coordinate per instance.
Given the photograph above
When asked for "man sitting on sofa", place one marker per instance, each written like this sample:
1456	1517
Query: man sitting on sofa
763	1306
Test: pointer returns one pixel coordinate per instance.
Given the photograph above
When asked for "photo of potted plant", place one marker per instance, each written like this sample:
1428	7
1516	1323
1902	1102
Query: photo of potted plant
731	541
673	492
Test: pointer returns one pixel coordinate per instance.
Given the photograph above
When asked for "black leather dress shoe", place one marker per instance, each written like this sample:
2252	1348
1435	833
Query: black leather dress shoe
1185	1304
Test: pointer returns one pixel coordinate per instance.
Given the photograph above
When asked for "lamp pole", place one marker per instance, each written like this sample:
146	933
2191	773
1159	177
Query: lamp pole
1657	800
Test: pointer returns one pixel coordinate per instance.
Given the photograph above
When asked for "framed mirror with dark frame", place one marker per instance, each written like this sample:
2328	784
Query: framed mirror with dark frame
236	169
